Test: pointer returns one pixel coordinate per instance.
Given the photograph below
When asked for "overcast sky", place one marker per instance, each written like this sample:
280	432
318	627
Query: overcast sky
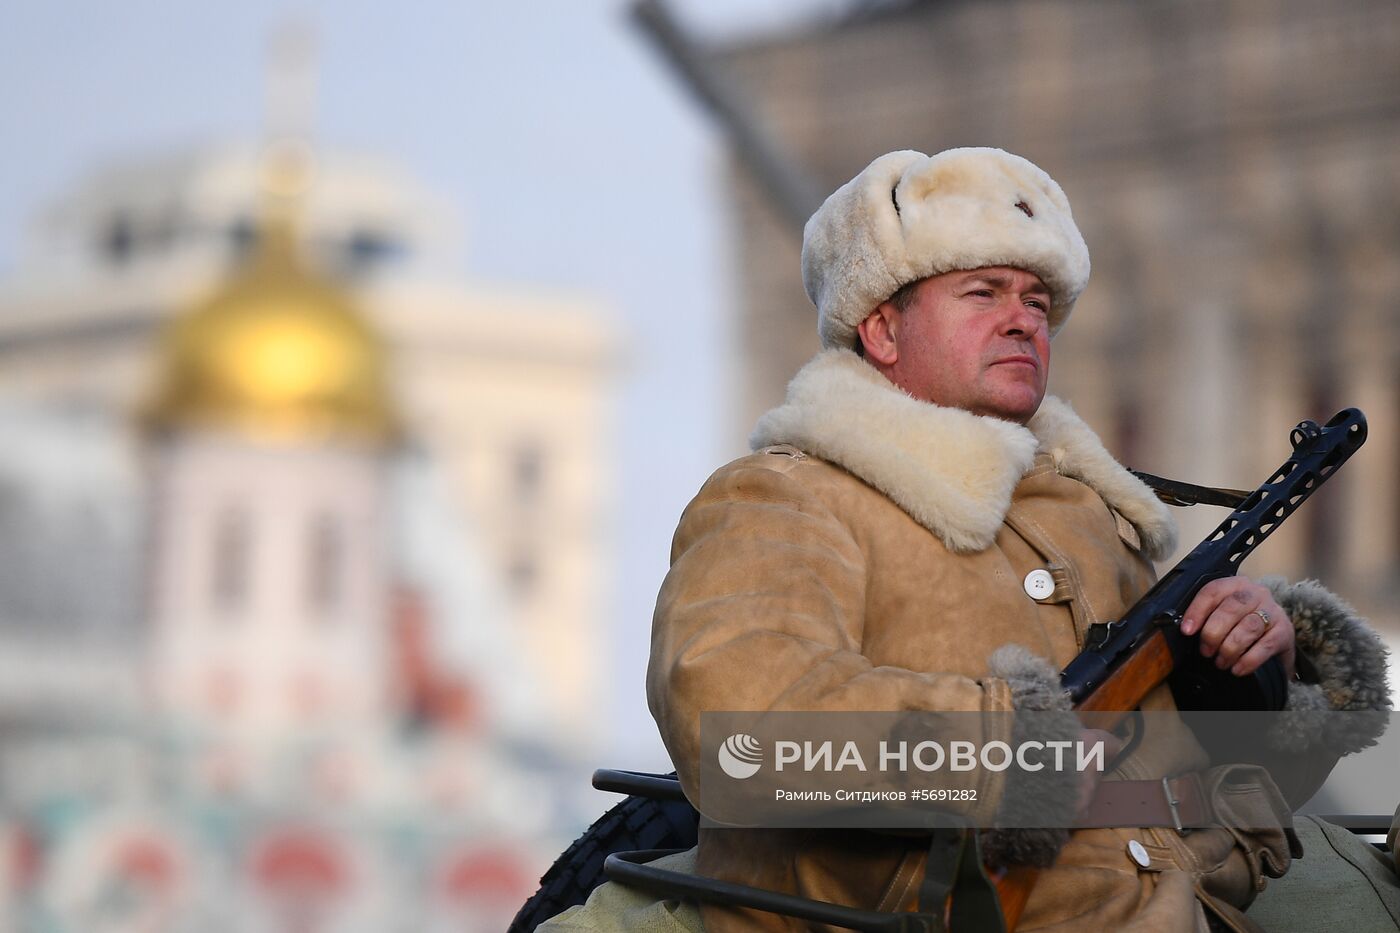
569	151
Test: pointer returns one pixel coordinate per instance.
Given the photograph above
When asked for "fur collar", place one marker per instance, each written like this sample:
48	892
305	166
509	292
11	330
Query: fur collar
952	471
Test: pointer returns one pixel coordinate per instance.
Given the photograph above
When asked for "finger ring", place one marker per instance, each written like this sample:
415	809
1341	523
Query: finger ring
1264	616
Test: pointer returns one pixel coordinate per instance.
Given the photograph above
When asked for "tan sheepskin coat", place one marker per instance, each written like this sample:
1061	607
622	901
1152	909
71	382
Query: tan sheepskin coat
870	555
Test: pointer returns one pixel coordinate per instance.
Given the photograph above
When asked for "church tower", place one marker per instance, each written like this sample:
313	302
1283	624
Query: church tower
270	431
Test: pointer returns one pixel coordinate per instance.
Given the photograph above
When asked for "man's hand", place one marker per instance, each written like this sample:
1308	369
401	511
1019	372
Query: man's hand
1230	614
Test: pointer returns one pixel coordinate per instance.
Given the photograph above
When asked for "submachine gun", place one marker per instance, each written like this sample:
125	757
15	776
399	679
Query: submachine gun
1123	660
1122	663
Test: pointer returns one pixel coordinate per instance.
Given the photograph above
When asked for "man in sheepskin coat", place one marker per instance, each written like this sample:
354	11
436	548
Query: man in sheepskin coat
921	528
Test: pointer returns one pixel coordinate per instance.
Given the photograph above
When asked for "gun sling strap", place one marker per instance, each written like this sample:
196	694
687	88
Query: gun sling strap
1175	492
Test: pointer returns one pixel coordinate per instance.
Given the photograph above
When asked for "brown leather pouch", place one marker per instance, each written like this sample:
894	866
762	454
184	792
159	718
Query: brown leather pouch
1252	810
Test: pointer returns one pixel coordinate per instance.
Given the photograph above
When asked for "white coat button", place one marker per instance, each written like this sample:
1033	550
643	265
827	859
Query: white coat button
1039	584
1139	854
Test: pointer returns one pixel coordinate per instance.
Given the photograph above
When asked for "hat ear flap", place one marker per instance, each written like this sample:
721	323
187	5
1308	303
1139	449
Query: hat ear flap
853	248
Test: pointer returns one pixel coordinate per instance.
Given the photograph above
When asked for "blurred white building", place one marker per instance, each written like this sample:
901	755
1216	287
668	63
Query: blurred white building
304	551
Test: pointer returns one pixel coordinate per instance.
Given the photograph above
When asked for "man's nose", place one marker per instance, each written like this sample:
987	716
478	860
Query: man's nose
1020	318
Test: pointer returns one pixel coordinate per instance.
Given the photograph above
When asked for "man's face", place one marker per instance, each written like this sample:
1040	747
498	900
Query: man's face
975	340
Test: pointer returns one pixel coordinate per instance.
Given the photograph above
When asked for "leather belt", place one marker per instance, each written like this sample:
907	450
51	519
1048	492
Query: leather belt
1179	802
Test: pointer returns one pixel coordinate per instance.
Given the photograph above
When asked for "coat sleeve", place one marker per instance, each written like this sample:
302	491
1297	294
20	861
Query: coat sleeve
764	609
1340	701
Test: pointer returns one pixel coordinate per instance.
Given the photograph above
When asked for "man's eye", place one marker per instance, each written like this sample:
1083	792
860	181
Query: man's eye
1039	305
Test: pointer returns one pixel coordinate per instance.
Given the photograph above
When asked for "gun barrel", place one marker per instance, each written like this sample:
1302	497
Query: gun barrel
1317	453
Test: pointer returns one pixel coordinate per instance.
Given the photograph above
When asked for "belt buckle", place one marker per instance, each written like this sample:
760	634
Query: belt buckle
1172	802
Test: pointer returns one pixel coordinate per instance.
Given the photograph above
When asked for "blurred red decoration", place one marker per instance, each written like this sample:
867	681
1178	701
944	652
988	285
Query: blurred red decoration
487	874
301	866
148	862
431	696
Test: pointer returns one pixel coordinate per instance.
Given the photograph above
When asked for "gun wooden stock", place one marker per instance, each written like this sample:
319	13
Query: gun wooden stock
1014	886
1148	667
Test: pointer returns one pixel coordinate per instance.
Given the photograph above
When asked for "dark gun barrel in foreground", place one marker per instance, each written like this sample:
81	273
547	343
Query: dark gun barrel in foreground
1196	683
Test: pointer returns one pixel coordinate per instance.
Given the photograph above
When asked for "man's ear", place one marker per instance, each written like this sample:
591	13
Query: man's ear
879	332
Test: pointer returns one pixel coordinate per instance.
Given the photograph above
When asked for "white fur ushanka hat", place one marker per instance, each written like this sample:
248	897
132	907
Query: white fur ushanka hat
908	216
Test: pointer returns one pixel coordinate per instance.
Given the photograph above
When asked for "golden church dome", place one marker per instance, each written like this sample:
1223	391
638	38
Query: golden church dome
276	352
